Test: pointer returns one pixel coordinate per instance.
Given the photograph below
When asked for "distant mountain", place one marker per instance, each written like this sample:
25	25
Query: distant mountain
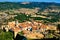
13	5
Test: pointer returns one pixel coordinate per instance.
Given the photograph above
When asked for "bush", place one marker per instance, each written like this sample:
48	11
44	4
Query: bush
6	36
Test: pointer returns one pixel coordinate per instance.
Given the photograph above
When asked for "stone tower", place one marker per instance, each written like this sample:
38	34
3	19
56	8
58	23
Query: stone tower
16	23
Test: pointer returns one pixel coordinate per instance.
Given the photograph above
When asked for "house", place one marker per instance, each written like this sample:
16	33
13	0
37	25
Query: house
34	35
16	30
11	24
52	27
43	28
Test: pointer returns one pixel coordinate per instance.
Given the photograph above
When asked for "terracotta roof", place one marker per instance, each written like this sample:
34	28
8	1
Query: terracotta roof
44	26
34	27
16	29
11	24
27	24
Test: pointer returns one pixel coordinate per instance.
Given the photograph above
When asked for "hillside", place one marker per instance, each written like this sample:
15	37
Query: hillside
48	12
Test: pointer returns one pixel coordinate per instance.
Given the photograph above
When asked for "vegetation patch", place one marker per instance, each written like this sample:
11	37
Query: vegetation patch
6	35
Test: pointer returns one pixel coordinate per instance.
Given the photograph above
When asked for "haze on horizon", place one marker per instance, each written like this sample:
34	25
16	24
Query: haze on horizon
57	1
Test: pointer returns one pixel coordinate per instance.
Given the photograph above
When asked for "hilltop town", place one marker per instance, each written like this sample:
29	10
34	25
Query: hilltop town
29	28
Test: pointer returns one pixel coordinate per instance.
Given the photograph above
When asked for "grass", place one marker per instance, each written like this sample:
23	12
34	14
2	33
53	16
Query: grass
6	35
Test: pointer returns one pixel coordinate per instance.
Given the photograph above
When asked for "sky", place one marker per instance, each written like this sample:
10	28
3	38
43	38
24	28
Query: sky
57	1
